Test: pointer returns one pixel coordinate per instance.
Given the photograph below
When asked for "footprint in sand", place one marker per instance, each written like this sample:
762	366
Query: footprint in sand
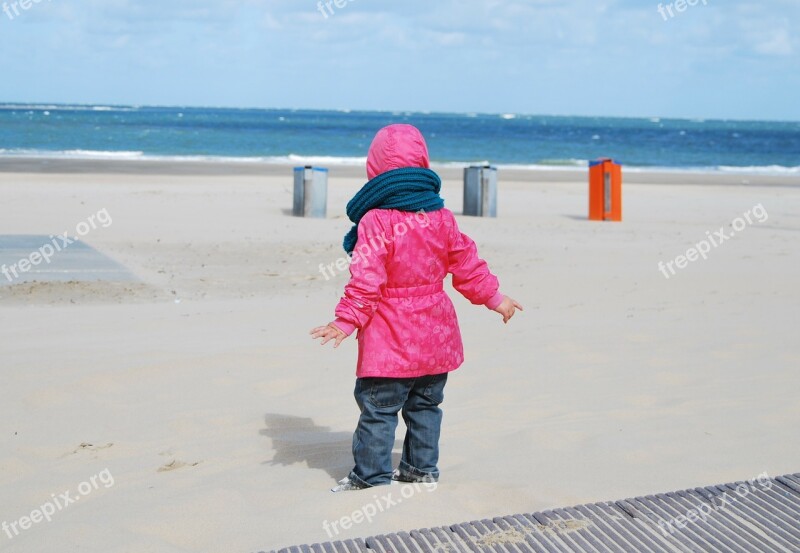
175	465
86	446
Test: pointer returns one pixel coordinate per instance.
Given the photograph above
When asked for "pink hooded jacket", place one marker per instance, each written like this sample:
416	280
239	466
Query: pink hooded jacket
407	323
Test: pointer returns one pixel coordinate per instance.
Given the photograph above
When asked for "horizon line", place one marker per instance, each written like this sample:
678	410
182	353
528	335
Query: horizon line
42	105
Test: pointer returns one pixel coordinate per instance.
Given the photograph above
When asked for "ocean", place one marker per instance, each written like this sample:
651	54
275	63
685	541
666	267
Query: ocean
342	137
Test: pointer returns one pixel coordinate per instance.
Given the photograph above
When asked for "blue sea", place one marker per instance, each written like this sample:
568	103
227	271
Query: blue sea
342	137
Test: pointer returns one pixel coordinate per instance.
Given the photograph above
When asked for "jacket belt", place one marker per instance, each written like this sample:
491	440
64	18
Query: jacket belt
412	291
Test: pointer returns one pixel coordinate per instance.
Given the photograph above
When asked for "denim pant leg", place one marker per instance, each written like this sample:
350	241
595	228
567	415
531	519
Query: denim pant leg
379	399
423	419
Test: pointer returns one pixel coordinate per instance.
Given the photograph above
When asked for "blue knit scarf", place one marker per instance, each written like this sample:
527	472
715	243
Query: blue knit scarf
407	189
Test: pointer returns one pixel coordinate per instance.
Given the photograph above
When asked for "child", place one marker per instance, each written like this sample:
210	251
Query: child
403	246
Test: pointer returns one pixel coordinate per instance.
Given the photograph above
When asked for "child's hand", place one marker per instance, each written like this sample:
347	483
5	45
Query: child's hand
328	333
507	308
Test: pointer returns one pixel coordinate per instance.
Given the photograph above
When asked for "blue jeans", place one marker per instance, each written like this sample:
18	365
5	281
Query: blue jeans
380	399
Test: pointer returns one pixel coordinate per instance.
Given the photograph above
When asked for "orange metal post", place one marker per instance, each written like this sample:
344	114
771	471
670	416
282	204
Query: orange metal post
605	190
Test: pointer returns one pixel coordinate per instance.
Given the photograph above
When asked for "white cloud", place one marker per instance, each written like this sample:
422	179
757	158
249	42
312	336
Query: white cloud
778	44
550	49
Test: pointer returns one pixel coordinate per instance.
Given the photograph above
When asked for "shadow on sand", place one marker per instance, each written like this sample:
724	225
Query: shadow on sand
298	440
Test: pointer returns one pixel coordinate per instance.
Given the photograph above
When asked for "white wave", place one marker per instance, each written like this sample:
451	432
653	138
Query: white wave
209	159
291	159
761	169
659	169
18	152
101	154
581	165
542	167
770	170
71	154
29	107
459	164
296	159
508	116
62	107
318	160
555	165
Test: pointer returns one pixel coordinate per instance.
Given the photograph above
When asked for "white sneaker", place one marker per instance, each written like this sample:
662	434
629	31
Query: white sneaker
400	477
347	485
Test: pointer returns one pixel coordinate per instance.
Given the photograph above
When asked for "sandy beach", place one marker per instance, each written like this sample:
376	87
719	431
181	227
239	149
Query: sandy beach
204	419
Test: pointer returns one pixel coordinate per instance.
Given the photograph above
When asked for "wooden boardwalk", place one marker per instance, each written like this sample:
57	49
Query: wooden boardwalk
755	516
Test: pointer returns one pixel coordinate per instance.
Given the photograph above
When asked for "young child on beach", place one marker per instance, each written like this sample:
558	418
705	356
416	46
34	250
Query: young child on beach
403	245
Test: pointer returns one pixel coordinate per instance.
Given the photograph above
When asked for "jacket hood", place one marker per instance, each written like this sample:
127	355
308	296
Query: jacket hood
397	147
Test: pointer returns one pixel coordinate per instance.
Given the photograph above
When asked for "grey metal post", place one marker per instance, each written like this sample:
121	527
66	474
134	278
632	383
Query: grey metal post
489	192
310	192
471	190
480	191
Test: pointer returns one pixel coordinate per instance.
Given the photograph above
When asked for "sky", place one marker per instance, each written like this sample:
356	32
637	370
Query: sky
727	59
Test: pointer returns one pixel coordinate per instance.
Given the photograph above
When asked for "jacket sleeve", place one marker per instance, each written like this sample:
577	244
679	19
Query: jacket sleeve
362	294
471	274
